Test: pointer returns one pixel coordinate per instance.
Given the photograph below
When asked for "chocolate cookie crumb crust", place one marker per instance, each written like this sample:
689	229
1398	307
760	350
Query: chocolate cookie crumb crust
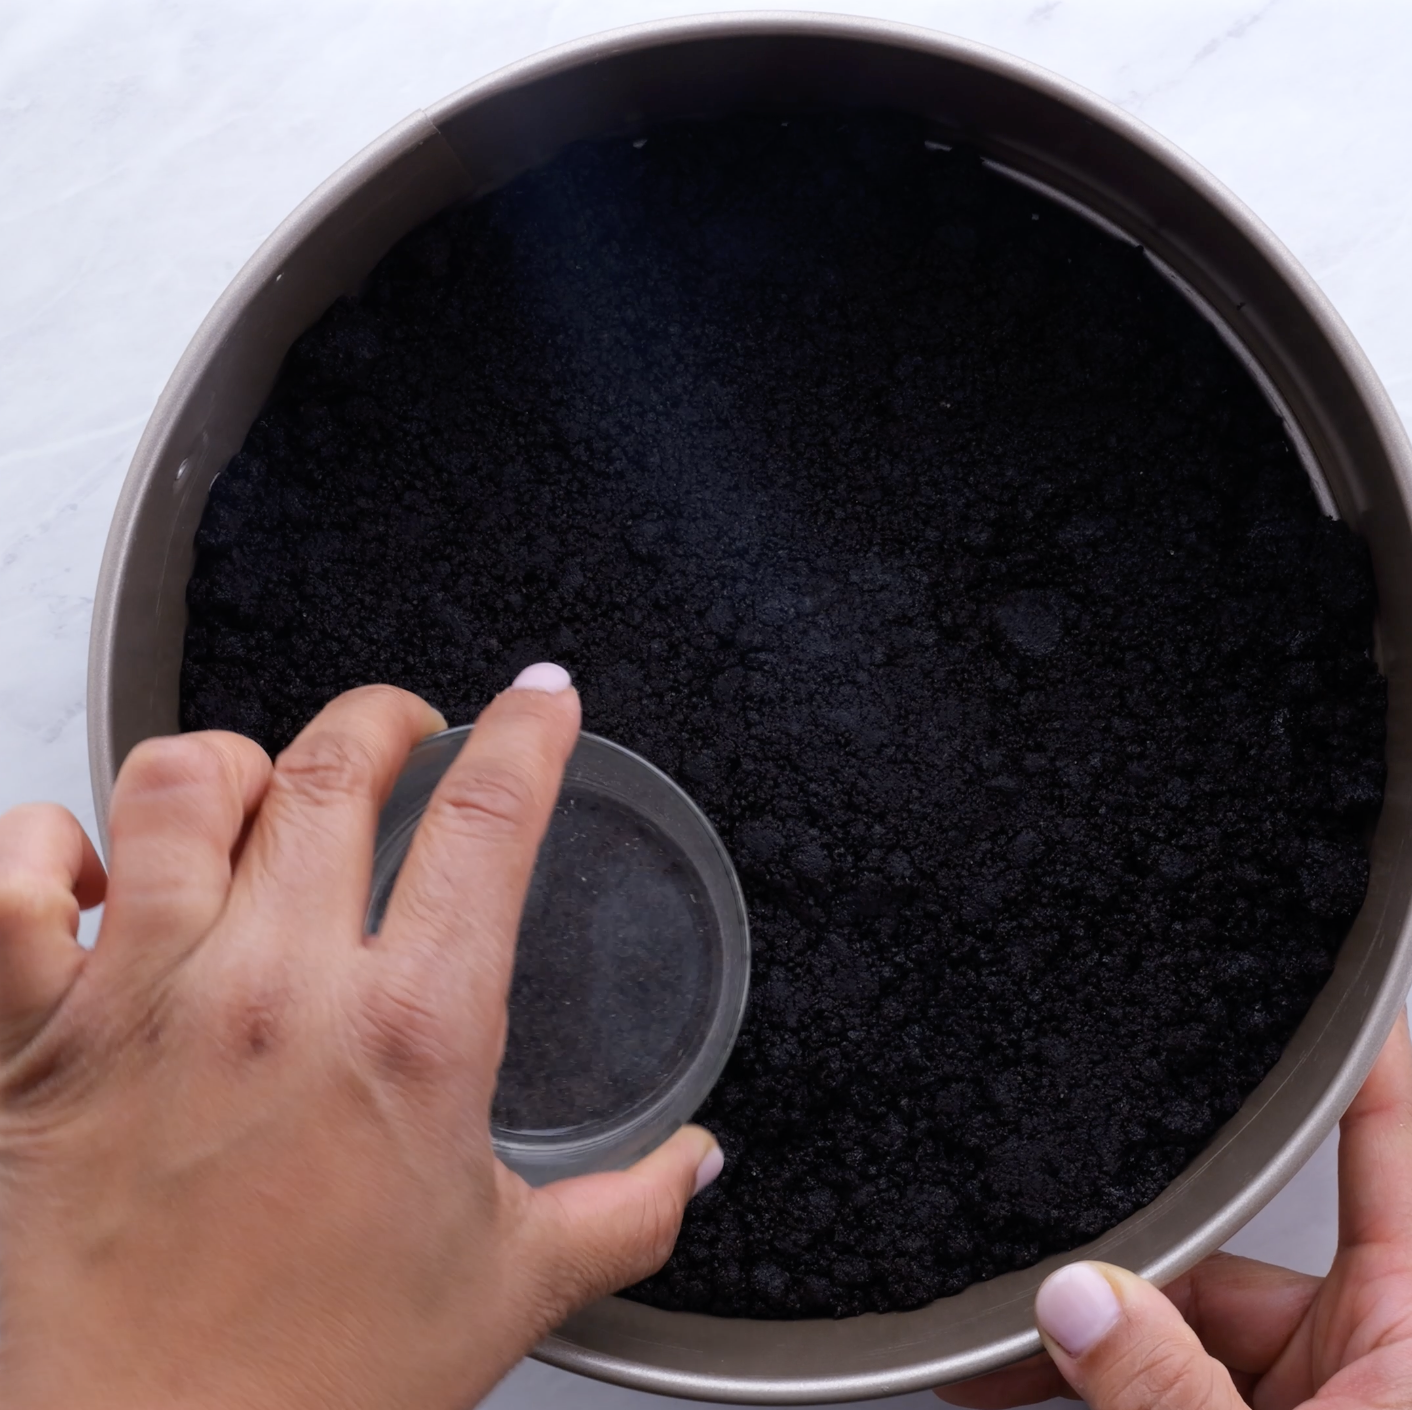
964	577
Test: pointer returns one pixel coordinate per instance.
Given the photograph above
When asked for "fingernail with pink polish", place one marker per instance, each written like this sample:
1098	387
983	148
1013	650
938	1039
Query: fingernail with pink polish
711	1166
544	676
1076	1307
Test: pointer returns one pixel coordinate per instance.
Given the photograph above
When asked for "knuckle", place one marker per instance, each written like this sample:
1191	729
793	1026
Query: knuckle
382	698
582	1275
53	1070
570	1265
171	763
29	903
241	756
253	1030
1161	1374
661	1222
403	1030
251	1018
551	1293
50	820
493	800
638	1246
326	766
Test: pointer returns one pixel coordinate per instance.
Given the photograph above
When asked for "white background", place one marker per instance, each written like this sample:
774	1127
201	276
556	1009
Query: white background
147	148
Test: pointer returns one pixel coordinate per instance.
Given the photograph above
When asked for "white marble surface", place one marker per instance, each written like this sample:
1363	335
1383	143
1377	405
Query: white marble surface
147	147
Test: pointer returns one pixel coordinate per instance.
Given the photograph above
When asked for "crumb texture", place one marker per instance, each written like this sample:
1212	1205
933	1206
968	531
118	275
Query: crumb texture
956	568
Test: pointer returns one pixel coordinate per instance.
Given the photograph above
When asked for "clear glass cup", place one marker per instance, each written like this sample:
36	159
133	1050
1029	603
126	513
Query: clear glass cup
632	966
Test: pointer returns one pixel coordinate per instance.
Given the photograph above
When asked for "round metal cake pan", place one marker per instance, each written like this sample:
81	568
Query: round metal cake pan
1038	129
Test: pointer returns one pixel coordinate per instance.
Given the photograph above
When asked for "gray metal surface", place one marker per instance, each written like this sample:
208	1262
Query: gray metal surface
1039	127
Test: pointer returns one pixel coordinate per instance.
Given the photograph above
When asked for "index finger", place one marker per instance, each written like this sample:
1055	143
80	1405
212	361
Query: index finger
462	888
309	855
1375	1151
1244	1311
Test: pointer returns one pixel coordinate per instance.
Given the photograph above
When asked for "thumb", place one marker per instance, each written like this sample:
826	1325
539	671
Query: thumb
1122	1346
597	1233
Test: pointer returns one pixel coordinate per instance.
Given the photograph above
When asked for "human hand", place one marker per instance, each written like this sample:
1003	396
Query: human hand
1233	1327
245	1157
